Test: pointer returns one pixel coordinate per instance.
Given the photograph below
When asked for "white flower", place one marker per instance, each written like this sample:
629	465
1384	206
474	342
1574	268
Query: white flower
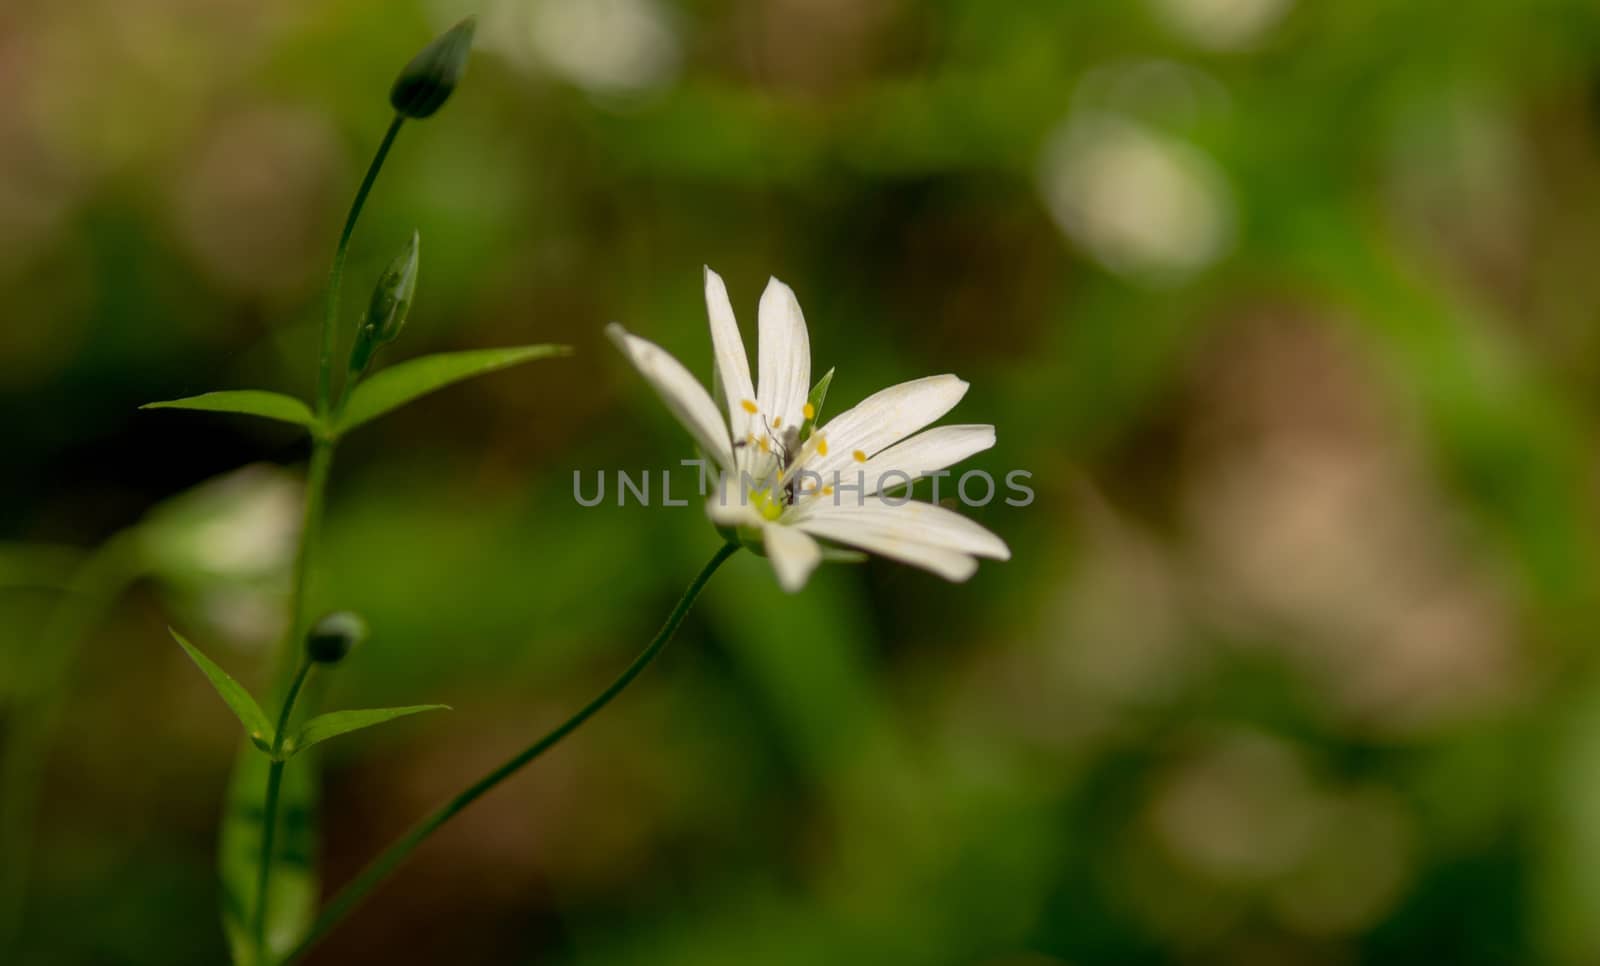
788	483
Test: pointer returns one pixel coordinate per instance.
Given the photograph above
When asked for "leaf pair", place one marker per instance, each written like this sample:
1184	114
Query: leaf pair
386	390
317	730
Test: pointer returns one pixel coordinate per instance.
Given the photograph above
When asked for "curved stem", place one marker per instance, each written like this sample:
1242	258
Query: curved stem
322	437
380	868
322	440
330	319
269	809
322	447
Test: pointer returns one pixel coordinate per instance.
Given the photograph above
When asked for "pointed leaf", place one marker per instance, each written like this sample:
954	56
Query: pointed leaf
249	402
244	706
814	401
335	723
295	887
399	384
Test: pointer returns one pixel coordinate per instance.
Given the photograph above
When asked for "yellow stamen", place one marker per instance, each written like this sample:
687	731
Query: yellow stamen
810	411
822	446
827	491
762	442
777	421
860	457
749	407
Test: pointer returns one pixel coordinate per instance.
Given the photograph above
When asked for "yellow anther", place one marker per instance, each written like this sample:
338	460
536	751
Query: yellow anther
749	407
777	421
827	491
762	442
810	411
860	457
822	446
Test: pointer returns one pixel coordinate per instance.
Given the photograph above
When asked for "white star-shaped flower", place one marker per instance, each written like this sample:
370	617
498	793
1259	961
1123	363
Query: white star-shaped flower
788	483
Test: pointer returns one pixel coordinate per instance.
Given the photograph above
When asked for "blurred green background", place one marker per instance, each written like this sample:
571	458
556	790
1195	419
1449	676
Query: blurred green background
1289	306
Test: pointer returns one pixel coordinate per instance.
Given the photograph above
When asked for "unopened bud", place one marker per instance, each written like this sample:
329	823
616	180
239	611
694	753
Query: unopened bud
332	637
391	303
426	83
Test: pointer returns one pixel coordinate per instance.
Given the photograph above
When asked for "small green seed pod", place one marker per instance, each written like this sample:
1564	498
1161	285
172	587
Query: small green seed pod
426	83
391	303
332	637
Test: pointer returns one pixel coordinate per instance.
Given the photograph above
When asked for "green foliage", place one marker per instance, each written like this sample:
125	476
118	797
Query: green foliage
335	723
389	307
1336	491
295	886
248	402
380	393
819	395
399	384
244	707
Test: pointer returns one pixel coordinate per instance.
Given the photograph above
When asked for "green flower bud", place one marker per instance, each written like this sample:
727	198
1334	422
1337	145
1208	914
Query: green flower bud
391	303
332	637
425	83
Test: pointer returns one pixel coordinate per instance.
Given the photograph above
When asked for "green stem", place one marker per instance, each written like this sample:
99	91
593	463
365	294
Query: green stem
322	447
269	826
323	438
381	867
311	524
330	319
269	810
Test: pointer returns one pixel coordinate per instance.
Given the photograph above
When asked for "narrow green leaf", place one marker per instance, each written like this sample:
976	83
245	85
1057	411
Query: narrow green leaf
249	402
295	887
244	706
335	723
399	384
819	394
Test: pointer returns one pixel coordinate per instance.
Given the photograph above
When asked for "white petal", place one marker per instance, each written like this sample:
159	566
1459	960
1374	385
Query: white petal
785	356
793	554
884	418
924	453
844	514
949	564
684	396
733	366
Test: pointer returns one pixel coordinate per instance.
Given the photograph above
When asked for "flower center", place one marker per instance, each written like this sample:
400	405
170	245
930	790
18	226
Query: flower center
769	502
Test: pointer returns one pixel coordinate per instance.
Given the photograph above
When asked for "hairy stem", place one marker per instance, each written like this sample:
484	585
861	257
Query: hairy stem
385	864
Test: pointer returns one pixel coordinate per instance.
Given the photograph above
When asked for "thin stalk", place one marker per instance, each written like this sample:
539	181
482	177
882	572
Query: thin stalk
322	447
311	524
323	436
385	864
269	810
330	319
